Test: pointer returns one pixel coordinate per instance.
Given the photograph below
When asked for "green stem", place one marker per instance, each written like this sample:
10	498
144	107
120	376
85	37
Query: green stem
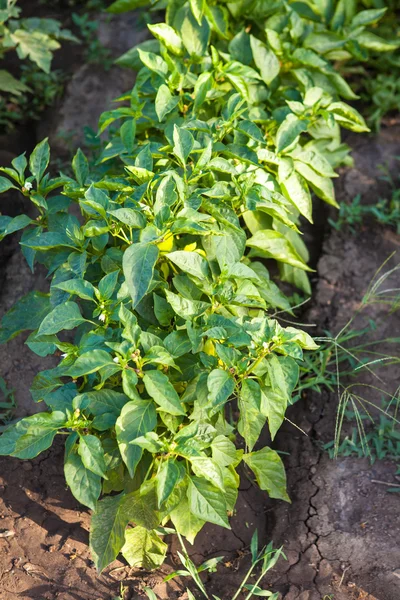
249	572
249	595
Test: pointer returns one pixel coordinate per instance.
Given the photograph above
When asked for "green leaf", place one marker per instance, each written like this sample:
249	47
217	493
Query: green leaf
9	225
202	86
348	116
165	102
138	265
223	450
77	287
163	393
272	244
26	314
206	502
197	8
185	522
90	362
367	17
168	36
80	167
294	188
183	144
154	62
185	308
137	418
107	530
322	186
128	133
167	477
144	548
47	241
219	19
220	387
141	507
374	42
8	83
39	159
39	434
273	405
13	433
42	346
195	36
84	484
203	466
103	401
5	185
37	45
130	217
251	420
268	468
92	454
289	131
265	60
121	6
63	317
191	263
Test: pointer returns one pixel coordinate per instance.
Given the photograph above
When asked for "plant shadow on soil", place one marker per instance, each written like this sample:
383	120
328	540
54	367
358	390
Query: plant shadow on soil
340	533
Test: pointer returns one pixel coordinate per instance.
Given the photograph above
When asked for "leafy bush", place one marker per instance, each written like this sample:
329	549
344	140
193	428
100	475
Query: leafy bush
234	119
44	89
377	78
33	38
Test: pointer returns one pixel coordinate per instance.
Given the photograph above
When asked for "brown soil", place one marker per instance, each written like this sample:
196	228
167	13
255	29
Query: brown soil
341	532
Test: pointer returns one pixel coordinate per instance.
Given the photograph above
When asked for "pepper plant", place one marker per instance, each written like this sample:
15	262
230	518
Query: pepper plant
161	273
35	39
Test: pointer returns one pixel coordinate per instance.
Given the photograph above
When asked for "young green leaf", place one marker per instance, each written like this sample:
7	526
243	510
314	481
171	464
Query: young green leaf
183	144
39	160
137	418
107	530
163	393
167	477
144	548
220	386
251	420
138	265
185	522
92	454
168	36
165	102
84	484
206	502
63	317
265	60
90	362
268	468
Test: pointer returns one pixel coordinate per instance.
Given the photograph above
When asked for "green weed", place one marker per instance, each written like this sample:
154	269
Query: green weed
337	366
7	404
386	211
262	561
94	51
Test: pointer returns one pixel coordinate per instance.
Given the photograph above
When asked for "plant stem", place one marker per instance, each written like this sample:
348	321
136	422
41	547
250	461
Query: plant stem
249	572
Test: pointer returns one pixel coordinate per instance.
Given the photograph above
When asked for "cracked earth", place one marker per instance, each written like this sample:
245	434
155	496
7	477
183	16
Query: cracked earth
340	533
